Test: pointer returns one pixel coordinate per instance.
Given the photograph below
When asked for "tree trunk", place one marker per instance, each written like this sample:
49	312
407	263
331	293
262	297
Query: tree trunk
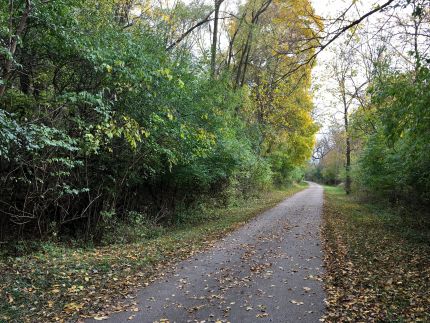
348	152
6	62
215	37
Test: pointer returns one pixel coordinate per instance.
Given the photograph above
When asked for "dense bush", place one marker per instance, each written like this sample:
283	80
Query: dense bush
99	119
395	158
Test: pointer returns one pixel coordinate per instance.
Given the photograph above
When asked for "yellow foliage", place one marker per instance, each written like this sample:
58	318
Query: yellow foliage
282	42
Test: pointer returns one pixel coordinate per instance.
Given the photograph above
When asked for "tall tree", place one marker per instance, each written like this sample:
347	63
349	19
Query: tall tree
347	95
215	36
267	42
15	30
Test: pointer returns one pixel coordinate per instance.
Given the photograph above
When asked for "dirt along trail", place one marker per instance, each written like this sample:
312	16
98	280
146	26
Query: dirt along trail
267	271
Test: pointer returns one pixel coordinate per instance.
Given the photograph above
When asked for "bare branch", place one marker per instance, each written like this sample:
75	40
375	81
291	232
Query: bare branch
190	30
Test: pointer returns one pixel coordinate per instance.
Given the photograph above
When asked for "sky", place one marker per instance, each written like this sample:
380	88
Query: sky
324	108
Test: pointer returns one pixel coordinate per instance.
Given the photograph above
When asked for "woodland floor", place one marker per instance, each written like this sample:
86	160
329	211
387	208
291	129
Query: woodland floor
61	283
377	262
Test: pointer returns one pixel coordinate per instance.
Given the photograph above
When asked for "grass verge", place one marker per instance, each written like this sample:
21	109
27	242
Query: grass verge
60	283
377	262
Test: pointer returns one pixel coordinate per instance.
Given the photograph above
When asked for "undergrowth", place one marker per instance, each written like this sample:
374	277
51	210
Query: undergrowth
377	261
61	282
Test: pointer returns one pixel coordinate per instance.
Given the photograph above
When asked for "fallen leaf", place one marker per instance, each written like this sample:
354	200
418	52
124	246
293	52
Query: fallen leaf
101	318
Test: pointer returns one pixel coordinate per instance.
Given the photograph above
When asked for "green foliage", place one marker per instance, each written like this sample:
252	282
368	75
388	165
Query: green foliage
395	159
99	119
9	133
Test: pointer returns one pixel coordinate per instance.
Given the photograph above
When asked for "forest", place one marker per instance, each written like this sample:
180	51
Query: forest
124	122
111	113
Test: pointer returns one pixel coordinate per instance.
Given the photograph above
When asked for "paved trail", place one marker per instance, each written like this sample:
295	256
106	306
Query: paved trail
267	271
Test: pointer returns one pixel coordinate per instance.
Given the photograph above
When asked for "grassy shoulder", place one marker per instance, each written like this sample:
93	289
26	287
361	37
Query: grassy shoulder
377	262
58	282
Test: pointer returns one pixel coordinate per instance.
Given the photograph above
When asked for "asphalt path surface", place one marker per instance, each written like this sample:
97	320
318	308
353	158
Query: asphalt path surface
269	270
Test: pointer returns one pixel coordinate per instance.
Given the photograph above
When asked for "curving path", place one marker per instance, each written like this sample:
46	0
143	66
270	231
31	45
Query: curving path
267	271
